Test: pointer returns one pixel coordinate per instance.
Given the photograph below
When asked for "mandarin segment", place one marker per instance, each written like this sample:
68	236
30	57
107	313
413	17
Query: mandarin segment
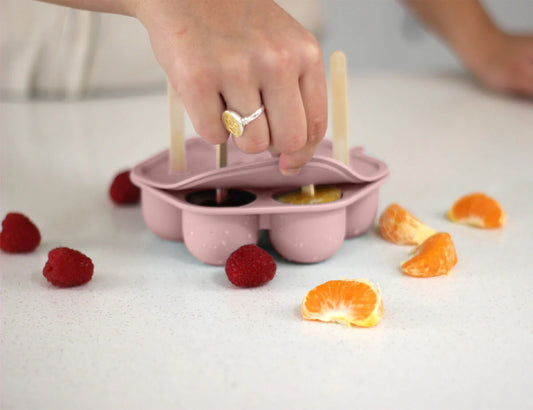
433	257
399	226
323	194
478	210
354	302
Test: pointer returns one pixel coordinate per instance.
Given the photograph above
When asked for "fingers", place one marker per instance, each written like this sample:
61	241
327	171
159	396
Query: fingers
286	115
312	98
513	71
524	84
243	96
204	105
290	164
315	98
521	66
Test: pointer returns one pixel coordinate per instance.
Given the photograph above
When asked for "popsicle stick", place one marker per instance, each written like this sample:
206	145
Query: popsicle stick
222	161
339	106
176	117
308	190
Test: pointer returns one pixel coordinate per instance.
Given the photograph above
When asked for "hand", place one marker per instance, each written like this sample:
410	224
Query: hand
501	61
239	54
506	64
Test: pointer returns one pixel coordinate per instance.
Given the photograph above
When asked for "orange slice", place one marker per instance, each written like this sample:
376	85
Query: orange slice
398	226
477	210
433	257
351	302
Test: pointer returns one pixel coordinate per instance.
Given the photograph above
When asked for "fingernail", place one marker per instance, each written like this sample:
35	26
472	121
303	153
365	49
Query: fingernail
290	171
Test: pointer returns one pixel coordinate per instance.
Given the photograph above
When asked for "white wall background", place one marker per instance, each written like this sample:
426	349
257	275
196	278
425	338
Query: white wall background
383	35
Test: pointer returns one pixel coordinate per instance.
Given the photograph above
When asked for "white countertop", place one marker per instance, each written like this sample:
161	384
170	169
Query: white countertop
155	328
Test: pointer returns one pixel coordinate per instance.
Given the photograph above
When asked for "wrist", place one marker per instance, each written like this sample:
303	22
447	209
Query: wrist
135	8
123	7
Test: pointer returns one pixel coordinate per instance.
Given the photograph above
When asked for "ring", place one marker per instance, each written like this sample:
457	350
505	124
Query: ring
235	124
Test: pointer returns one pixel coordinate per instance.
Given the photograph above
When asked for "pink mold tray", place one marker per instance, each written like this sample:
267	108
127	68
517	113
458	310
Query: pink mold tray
176	205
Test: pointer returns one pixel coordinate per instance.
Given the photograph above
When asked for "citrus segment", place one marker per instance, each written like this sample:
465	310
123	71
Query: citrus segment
351	302
323	194
397	225
477	210
433	257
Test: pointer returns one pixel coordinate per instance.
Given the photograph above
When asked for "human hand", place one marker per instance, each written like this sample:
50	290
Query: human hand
237	55
502	61
505	64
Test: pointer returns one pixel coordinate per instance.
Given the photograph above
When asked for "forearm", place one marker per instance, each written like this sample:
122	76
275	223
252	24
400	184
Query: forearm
164	12
463	24
125	7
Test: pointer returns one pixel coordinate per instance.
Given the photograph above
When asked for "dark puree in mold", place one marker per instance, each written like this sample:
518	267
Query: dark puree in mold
208	198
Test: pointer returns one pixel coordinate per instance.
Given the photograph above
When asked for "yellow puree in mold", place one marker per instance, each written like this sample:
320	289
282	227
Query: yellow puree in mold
323	194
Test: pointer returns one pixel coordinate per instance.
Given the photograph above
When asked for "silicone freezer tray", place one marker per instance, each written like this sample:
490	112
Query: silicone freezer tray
174	203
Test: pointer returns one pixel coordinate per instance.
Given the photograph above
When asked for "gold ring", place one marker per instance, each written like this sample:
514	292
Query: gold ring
235	124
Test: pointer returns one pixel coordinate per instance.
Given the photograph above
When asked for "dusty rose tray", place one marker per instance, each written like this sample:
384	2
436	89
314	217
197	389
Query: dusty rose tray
174	204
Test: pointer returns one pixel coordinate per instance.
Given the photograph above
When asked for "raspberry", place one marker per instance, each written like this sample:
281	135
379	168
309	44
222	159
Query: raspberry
19	234
67	267
250	266
122	191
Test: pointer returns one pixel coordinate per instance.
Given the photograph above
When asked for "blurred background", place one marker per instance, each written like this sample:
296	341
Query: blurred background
383	35
55	52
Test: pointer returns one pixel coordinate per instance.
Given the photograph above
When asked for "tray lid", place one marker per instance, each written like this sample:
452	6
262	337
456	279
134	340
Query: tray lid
253	170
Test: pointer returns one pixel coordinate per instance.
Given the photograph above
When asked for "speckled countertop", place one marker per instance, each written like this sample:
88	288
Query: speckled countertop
155	328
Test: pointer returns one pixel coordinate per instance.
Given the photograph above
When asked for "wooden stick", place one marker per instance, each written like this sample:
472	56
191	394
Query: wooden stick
339	106
176	117
308	190
222	161
222	155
